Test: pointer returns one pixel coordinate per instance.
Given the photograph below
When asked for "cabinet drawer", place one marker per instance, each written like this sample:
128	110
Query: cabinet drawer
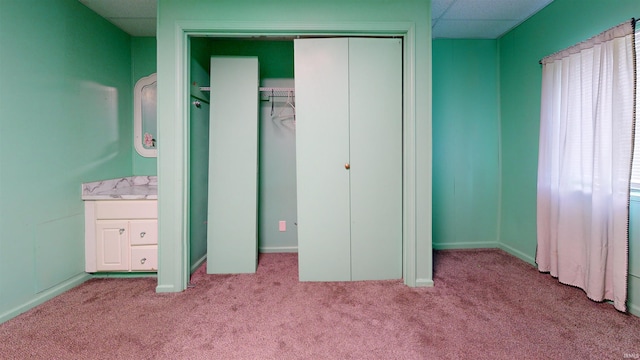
143	232
130	209
144	258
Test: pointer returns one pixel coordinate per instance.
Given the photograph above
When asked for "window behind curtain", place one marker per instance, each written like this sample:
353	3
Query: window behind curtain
635	172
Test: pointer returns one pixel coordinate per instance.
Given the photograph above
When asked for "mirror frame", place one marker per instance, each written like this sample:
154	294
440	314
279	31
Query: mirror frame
138	137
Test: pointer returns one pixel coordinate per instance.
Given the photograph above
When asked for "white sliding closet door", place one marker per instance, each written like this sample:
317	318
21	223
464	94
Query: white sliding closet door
233	166
349	158
375	118
322	150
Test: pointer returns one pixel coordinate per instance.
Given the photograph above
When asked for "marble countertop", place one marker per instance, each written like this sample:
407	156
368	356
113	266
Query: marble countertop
127	188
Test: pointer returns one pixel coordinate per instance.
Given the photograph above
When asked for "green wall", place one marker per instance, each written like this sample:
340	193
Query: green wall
559	25
143	63
486	100
466	174
633	291
276	56
65	119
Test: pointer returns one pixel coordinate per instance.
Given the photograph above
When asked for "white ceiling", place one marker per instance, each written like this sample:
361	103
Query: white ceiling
136	17
455	19
480	19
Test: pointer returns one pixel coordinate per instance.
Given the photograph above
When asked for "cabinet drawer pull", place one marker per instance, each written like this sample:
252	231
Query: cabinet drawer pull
142	234
143	260
121	231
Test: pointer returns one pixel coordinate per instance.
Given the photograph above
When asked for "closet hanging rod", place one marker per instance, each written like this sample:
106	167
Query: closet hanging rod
267	91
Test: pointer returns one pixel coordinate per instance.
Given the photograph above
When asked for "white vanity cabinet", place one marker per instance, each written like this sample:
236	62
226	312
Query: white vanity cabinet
121	235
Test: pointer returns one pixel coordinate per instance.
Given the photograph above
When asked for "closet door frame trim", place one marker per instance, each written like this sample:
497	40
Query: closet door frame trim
173	244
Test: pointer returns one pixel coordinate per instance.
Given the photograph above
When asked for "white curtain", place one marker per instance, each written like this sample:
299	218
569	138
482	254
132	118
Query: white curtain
584	166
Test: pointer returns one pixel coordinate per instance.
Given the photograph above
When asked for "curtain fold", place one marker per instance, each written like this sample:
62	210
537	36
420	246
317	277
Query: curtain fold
584	165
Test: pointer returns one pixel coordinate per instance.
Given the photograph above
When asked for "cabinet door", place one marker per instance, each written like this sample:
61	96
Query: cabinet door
322	150
232	244
112	245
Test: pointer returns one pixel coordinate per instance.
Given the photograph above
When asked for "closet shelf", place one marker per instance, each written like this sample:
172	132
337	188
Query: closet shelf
277	91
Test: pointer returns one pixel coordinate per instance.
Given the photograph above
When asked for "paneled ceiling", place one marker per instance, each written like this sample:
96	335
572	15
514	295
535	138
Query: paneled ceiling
455	19
480	19
136	17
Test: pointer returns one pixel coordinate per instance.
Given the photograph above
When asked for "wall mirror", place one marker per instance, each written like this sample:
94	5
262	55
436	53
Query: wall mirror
144	116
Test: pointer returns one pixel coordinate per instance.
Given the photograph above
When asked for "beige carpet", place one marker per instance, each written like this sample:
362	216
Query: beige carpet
486	304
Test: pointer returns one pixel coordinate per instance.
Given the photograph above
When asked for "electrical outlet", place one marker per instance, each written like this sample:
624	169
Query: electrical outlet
282	225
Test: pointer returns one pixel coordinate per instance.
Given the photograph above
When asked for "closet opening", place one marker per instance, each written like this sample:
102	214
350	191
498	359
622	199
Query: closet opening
277	195
276	203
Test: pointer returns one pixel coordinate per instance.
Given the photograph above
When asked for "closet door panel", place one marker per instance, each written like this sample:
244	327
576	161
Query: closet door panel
233	166
322	149
375	82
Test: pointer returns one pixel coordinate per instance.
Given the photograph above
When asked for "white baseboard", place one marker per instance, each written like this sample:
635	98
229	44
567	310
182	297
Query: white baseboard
465	245
45	295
